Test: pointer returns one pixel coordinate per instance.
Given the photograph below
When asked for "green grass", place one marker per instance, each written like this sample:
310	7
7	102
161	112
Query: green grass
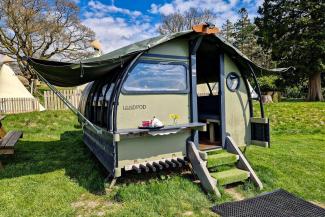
42	87
295	160
230	176
53	174
221	159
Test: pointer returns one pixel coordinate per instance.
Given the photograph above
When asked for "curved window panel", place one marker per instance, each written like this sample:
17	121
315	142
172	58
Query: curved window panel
156	77
233	81
207	89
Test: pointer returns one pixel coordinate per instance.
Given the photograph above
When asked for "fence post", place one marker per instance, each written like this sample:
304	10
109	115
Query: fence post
18	105
52	102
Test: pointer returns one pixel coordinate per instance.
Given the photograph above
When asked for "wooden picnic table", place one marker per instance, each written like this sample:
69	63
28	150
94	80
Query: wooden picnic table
8	140
1	134
2	130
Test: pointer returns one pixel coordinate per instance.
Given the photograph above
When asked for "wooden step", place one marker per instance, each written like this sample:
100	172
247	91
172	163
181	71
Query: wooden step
216	151
230	176
221	159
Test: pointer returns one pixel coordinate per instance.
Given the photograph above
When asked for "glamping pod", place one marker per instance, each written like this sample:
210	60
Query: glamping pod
193	85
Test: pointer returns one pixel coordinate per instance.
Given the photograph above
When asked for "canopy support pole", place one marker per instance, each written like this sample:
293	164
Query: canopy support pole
85	121
259	93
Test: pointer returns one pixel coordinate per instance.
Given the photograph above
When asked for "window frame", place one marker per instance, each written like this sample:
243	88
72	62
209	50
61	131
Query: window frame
239	83
147	92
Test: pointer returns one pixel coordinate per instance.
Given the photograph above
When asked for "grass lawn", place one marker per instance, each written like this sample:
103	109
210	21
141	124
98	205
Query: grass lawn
53	174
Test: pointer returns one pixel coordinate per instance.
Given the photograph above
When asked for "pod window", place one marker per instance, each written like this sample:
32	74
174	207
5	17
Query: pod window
233	81
152	77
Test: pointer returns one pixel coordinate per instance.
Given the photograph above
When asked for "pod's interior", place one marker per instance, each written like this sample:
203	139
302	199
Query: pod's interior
208	89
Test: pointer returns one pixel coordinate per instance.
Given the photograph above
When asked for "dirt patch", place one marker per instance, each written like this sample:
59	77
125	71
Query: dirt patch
318	204
234	194
92	206
187	213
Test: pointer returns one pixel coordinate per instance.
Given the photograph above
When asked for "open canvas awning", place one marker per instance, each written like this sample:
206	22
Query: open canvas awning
73	74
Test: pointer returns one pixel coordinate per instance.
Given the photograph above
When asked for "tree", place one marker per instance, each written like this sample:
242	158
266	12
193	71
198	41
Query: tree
244	32
228	31
294	31
177	21
42	29
245	39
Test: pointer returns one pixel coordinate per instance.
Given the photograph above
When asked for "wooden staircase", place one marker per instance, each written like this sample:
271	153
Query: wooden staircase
221	167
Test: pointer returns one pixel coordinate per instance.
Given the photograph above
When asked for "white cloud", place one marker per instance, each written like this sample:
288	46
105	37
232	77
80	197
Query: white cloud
114	33
153	8
166	9
113	26
222	17
252	11
98	9
222	8
218	6
116	27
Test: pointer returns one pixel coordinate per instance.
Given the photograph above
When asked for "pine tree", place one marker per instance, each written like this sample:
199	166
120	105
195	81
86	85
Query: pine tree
245	39
294	31
228	31
244	33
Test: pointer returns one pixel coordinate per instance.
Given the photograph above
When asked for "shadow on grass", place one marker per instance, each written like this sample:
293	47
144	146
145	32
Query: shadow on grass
72	155
293	100
68	153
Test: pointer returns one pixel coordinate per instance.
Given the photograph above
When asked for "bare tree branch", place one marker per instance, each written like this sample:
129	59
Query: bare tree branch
177	21
42	29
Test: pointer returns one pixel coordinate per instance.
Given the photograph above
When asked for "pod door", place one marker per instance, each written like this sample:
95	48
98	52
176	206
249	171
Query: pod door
208	97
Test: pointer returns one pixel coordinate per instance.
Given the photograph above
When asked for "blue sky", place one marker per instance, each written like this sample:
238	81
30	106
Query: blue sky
120	22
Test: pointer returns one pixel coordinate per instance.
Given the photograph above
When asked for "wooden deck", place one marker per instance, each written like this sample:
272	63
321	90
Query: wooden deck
207	145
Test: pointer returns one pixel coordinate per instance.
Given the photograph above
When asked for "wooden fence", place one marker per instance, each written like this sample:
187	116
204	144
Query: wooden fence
52	102
18	105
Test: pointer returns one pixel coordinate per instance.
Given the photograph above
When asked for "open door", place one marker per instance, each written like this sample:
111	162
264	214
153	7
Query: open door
208	94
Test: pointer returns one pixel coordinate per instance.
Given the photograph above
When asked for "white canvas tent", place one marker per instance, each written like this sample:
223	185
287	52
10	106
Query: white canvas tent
11	87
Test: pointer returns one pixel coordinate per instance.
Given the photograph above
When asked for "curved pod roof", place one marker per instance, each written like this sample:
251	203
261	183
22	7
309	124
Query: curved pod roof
73	74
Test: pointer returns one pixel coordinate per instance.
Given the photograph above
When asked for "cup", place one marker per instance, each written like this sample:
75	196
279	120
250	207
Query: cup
146	123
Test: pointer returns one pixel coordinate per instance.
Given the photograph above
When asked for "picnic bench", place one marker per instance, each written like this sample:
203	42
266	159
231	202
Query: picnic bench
8	140
210	120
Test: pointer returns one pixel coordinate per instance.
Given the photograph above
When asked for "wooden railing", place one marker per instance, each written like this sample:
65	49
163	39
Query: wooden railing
18	105
53	102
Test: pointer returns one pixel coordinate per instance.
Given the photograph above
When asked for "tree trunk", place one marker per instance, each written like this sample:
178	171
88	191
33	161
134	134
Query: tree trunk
27	73
315	88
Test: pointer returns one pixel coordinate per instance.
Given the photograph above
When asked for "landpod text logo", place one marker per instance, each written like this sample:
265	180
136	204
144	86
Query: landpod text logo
134	107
